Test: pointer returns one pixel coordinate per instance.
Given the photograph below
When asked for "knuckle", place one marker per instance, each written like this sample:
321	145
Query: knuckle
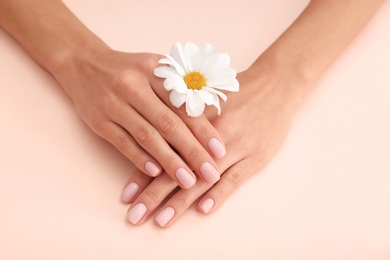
144	135
194	154
136	158
149	63
181	203
233	177
95	122
126	82
122	144
204	130
152	198
168	124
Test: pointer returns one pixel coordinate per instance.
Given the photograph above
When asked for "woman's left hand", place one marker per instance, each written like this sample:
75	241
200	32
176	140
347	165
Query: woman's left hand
253	125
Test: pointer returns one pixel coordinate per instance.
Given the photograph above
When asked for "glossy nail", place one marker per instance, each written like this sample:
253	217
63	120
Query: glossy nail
207	205
165	216
209	173
186	179
129	192
217	148
152	169
136	213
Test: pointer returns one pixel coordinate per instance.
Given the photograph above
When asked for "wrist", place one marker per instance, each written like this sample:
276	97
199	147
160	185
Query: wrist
76	58
82	50
286	82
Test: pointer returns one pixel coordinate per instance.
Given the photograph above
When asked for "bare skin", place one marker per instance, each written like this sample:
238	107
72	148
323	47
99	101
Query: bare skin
272	89
114	93
114	99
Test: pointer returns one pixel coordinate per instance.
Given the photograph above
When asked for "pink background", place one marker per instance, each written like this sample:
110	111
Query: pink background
326	195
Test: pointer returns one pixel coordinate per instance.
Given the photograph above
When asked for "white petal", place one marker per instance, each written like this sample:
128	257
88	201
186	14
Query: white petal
221	77
214	91
214	63
191	55
207	96
173	63
177	54
216	104
177	83
177	99
165	72
233	86
194	104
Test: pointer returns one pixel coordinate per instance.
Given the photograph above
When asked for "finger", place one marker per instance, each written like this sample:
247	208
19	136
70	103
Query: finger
137	182
229	182
200	126
172	129
126	144
153	143
150	198
217	194
153	195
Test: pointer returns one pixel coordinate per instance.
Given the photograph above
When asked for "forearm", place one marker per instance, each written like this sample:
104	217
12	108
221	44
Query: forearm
314	40
48	31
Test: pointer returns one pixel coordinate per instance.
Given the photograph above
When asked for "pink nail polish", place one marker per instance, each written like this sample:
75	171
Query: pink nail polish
152	169
136	213
165	216
209	173
207	205
217	148
129	192
186	179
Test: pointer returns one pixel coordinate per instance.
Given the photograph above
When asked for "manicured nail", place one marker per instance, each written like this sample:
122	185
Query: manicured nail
217	148
209	173
152	169
165	216
136	213
207	205
186	179
129	192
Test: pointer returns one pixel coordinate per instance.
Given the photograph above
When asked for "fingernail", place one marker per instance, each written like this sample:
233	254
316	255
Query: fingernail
129	192
209	173
152	169
165	216
136	213
186	179
217	148
207	205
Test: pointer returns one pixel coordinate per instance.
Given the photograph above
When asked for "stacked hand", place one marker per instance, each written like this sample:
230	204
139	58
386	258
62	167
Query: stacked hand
122	101
114	94
253	125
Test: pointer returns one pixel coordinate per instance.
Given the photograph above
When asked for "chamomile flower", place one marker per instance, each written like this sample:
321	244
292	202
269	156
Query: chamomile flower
195	76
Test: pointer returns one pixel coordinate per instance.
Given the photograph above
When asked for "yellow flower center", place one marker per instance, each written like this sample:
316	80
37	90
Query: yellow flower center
194	80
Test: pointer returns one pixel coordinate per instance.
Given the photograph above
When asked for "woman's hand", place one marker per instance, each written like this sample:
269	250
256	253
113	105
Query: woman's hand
114	94
253	125
255	121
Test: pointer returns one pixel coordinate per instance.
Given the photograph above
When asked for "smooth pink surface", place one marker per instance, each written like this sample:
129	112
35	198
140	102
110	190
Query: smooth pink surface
326	195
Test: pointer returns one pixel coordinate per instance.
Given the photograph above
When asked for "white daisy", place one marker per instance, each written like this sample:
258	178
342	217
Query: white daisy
195	75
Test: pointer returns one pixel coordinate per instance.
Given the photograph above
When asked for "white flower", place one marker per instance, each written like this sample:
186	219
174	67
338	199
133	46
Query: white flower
195	75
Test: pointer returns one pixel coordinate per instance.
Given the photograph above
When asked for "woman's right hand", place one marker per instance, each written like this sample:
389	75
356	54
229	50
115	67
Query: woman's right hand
115	94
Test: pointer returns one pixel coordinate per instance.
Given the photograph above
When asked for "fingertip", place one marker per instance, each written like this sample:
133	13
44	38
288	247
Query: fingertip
129	192
136	213
216	147
206	205
209	173
185	179
165	216
152	169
